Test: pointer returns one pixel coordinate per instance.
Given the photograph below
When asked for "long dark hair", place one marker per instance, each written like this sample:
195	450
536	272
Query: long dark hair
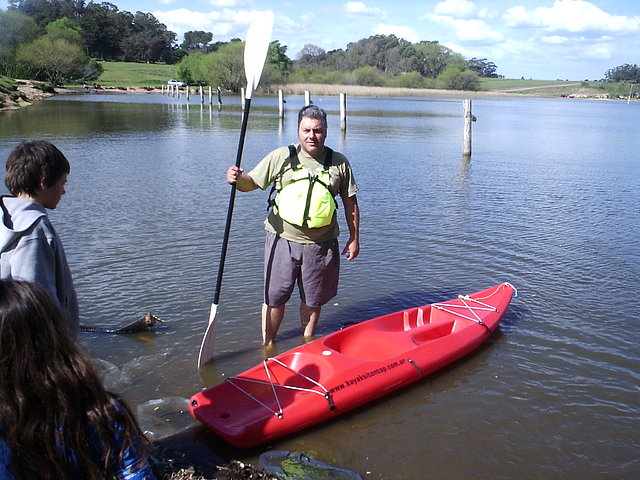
55	415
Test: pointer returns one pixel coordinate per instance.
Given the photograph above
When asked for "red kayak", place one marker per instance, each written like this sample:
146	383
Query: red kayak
339	372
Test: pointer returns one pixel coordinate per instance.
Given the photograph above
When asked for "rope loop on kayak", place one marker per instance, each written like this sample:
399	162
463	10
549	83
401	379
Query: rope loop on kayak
515	290
468	308
279	413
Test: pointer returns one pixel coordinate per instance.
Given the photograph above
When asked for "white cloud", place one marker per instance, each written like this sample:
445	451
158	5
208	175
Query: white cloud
182	20
571	16
467	30
229	3
462	9
359	9
224	24
456	9
555	39
399	31
601	50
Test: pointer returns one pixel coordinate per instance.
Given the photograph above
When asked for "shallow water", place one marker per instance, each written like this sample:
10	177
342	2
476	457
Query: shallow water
548	202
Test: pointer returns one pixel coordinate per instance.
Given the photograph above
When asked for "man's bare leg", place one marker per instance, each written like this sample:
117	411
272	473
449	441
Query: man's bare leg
309	317
271	320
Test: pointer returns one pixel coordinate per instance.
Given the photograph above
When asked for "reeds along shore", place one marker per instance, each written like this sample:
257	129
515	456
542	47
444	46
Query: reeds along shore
331	90
359	90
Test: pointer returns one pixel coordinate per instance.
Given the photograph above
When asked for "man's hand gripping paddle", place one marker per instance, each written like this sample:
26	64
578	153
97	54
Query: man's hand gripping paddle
255	54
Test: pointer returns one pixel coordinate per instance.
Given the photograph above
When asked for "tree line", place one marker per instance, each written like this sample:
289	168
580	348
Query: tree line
65	40
379	60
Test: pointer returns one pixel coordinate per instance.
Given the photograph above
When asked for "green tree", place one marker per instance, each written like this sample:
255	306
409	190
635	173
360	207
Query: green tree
225	67
483	67
408	80
56	58
43	12
15	29
197	40
624	73
435	58
148	41
459	78
191	69
277	57
368	76
103	27
66	29
311	56
373	51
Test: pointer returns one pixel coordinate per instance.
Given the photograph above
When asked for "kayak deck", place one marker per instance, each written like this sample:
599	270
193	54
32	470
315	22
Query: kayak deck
348	368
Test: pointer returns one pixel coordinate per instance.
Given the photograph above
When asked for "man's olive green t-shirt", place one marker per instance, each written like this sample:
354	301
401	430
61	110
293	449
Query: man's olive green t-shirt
276	167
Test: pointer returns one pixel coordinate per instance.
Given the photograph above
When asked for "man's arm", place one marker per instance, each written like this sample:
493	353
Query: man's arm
352	215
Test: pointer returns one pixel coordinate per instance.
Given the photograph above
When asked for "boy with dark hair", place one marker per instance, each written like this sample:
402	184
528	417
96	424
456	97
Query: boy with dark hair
30	248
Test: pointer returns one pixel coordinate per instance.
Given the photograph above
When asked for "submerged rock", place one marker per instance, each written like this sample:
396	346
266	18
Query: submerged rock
299	466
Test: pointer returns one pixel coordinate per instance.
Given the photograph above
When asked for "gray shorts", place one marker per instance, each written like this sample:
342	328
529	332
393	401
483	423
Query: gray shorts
315	267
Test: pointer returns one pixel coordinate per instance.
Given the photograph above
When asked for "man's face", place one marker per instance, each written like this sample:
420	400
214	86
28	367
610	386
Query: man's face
312	135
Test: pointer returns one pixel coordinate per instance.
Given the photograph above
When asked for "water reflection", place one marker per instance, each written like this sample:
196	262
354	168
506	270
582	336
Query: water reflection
547	201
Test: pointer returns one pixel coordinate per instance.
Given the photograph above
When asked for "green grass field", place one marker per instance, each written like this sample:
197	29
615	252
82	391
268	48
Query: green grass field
135	74
509	83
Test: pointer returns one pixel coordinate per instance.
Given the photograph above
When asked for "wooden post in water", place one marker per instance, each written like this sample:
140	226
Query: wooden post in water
219	97
210	96
307	98
468	118
201	95
280	104
343	111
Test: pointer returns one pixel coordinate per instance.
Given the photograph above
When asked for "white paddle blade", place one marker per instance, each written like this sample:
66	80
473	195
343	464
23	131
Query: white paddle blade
256	48
206	348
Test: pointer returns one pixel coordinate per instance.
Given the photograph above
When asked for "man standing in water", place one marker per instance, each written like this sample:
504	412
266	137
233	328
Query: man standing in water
302	227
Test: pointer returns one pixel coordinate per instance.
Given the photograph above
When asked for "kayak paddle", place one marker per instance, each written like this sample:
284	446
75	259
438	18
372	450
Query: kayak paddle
255	54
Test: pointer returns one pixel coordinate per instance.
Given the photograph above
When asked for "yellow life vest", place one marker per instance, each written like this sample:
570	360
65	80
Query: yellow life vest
306	200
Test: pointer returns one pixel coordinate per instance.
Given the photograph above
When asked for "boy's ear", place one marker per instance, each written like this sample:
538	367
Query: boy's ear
42	184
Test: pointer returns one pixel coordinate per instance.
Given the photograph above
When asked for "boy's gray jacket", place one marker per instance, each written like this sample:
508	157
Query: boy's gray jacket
31	250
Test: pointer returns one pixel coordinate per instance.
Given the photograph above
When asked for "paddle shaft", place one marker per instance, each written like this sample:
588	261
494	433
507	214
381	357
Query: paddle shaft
232	196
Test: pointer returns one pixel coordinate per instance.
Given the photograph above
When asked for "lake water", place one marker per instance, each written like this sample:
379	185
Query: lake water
548	202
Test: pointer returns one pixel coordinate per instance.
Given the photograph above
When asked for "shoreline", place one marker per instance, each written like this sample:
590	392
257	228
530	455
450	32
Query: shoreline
29	94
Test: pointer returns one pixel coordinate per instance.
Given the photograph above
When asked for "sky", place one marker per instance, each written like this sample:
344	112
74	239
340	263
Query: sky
534	39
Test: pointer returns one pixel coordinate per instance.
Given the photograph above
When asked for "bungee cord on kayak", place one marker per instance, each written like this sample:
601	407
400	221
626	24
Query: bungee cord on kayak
280	413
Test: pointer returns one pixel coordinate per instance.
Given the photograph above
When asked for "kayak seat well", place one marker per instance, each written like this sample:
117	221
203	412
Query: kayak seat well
411	318
370	344
433	332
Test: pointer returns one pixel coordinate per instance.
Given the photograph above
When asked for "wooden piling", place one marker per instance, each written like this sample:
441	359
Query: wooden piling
220	97
468	118
307	98
343	111
280	104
